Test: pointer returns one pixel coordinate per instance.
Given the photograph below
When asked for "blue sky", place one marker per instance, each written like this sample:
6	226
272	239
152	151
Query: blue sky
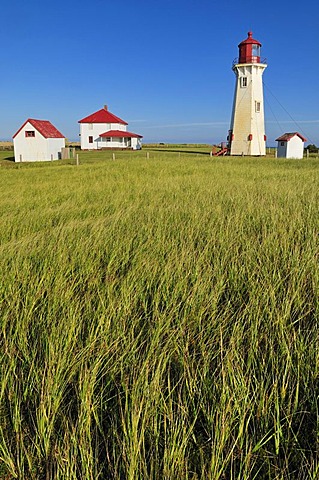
163	66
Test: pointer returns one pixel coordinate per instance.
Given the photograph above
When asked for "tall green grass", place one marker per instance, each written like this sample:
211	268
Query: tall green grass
159	318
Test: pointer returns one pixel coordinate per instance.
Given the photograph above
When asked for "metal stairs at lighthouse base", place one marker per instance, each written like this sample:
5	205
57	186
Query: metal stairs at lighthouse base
223	150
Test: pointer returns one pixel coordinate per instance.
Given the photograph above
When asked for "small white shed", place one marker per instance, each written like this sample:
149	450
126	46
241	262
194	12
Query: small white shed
290	145
37	140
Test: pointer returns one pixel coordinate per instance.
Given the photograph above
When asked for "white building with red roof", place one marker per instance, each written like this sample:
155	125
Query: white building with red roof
37	140
290	145
103	129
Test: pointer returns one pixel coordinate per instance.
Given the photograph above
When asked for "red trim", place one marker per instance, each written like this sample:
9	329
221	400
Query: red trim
265	137
250	137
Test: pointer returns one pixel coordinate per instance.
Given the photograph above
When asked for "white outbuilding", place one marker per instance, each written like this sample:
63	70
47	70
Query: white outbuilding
290	145
103	129
37	140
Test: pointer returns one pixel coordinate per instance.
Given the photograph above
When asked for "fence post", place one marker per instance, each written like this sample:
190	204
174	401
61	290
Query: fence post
77	159
113	156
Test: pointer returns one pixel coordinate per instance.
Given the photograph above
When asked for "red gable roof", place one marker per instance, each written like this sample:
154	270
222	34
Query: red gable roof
120	133
44	127
288	136
102	116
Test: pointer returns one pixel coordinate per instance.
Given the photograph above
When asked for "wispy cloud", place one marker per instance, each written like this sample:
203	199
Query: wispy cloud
136	121
183	125
213	124
293	121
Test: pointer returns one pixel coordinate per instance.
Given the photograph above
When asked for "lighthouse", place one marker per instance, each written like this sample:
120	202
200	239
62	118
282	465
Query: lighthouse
247	128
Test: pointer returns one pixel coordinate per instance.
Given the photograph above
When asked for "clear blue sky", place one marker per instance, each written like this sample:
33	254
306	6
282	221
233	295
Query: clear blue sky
163	66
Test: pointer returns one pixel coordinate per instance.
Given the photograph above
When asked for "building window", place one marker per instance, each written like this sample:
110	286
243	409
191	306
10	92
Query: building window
90	139
90	126
243	82
30	133
257	106
256	50
282	144
108	139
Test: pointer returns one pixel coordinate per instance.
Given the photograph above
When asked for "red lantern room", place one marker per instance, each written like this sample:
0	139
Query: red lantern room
249	50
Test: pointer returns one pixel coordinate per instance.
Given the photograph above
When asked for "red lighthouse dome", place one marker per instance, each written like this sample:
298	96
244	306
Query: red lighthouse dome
249	50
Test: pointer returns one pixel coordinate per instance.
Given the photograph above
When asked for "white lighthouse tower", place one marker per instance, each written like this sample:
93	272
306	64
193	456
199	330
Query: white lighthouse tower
247	128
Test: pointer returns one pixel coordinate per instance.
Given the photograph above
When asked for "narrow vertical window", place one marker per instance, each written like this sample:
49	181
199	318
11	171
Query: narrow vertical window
257	106
90	139
243	82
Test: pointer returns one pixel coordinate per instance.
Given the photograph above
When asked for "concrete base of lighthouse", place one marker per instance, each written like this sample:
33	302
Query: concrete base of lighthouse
248	147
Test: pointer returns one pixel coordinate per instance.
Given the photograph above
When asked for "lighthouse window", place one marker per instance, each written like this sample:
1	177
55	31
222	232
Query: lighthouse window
244	82
256	51
257	106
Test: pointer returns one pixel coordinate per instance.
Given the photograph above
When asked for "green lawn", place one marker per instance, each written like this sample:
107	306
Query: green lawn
159	317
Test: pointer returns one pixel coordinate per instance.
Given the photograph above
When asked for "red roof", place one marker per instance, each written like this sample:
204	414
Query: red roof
288	136
102	116
250	40
44	127
120	133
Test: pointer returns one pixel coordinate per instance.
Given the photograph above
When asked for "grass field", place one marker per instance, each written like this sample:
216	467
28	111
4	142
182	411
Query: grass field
159	317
